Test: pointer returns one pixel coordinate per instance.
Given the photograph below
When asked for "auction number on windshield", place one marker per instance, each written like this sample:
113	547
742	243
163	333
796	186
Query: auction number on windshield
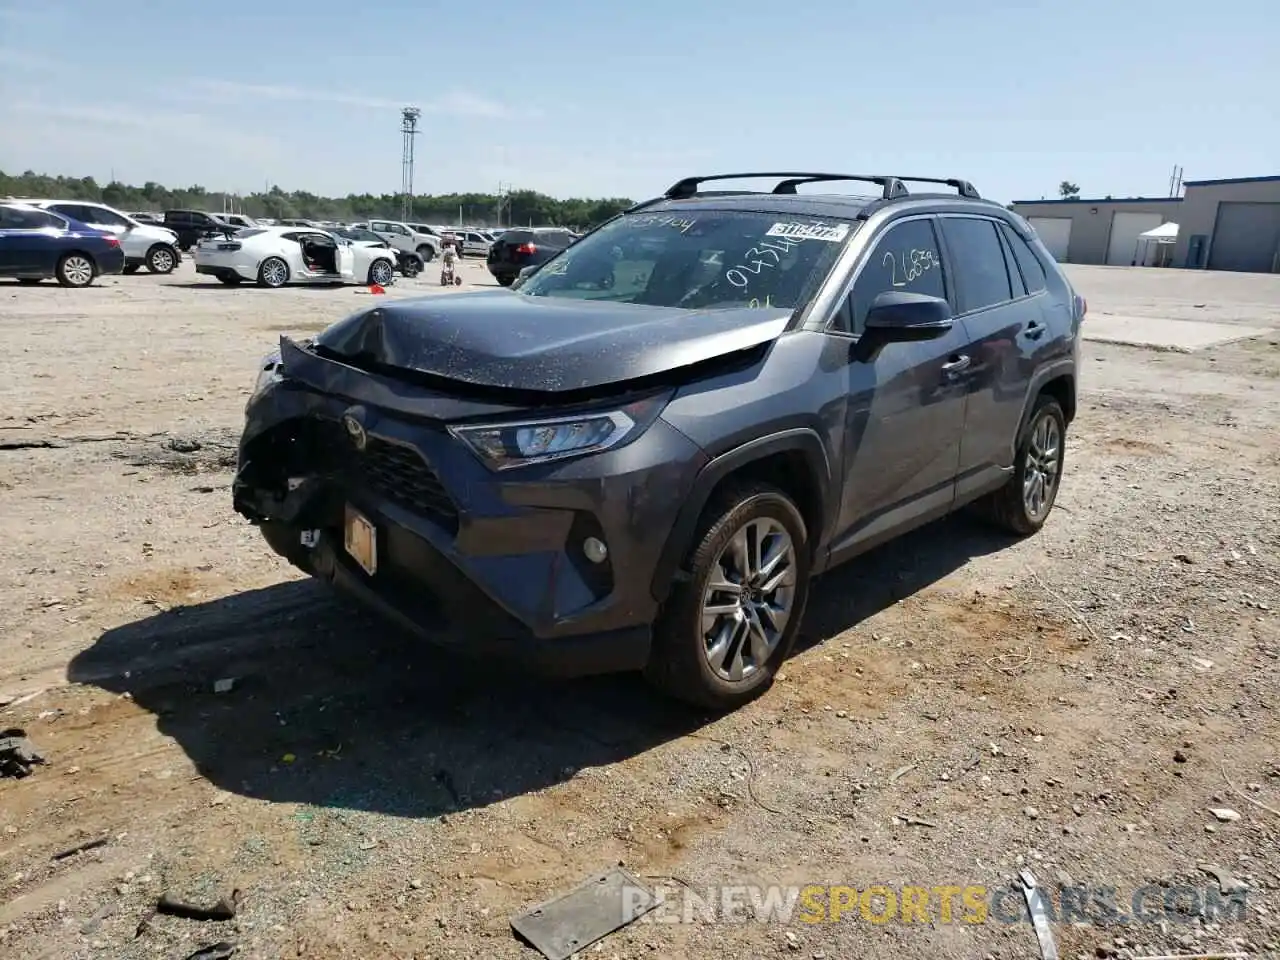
766	255
908	266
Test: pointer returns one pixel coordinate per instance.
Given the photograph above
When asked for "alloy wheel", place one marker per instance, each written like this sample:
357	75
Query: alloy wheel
77	270
161	261
748	599
1043	460
275	272
380	273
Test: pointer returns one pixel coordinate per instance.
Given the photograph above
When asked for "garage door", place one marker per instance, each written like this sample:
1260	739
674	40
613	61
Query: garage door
1246	237
1125	228
1054	233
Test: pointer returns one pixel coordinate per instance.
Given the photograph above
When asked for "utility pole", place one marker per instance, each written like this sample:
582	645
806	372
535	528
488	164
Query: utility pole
408	129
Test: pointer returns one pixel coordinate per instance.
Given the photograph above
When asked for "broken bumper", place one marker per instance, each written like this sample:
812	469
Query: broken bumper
482	562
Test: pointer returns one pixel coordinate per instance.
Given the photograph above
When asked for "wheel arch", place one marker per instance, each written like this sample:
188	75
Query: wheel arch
794	460
1057	381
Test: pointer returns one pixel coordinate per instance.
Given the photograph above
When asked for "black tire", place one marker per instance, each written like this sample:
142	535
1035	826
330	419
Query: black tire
131	268
76	269
382	273
505	281
273	273
427	253
411	266
161	258
30	281
679	662
1008	507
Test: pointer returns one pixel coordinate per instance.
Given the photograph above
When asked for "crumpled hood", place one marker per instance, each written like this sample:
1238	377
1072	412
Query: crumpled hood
508	340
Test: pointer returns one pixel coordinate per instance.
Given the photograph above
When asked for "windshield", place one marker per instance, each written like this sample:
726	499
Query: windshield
700	260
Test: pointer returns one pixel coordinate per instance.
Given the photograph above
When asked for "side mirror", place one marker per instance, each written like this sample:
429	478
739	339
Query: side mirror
900	317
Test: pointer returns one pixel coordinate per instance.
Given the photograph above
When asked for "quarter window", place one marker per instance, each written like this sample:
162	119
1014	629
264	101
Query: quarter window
907	259
1030	265
977	263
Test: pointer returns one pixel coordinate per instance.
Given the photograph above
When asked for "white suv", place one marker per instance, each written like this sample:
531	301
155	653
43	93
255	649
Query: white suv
144	244
403	237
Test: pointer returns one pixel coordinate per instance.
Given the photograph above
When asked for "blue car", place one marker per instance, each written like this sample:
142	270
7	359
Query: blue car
36	244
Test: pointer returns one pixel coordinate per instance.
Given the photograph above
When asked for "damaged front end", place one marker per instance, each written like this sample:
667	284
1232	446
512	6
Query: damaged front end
544	560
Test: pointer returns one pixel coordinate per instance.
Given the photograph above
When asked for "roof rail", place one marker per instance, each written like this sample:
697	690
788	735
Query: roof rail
891	187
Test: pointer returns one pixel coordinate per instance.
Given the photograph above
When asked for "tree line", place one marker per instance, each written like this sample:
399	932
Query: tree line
520	207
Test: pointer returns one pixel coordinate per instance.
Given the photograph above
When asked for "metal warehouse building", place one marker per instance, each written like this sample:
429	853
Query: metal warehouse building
1222	225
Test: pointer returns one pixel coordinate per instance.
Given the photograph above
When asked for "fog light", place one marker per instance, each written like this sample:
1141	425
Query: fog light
595	550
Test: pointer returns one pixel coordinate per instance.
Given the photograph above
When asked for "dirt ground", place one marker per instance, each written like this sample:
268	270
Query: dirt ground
963	706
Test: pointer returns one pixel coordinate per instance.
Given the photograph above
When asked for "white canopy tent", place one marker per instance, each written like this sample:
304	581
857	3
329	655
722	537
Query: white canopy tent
1164	237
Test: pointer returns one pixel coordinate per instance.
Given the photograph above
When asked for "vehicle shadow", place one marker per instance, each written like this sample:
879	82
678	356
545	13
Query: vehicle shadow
333	707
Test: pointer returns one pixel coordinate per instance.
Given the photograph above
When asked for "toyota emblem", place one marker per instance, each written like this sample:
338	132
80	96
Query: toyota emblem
356	431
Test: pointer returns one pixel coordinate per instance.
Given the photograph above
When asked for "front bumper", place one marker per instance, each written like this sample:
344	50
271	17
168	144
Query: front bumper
482	562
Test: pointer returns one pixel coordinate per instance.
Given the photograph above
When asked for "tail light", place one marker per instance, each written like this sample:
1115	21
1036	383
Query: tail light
112	241
527	249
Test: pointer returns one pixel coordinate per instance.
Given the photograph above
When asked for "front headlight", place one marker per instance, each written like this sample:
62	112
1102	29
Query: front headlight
505	445
268	373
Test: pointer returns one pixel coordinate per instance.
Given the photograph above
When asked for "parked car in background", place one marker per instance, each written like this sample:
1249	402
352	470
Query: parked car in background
403	237
145	216
521	247
144	244
642	459
191	225
237	219
409	264
37	244
297	222
274	256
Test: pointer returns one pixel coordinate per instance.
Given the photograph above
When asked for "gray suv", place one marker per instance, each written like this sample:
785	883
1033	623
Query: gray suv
642	457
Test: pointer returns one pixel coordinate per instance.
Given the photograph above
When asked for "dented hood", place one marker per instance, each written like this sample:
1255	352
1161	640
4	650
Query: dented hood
508	340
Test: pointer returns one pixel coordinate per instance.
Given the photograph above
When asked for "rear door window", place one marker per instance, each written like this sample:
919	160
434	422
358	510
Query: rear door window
977	263
1028	263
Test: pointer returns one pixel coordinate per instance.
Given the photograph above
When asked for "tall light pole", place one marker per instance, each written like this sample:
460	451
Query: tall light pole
409	129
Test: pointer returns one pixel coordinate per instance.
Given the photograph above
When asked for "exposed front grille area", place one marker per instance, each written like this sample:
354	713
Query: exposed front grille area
403	477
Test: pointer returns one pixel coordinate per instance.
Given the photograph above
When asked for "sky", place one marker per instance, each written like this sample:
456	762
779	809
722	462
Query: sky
594	99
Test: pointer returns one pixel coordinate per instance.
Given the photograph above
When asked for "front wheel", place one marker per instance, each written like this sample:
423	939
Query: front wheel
161	259
381	273
426	253
1023	504
273	273
75	270
726	628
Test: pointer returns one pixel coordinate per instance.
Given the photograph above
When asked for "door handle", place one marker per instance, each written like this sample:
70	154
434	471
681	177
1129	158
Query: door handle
1035	330
955	365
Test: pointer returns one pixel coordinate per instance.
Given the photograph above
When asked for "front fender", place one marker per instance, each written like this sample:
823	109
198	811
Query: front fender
800	440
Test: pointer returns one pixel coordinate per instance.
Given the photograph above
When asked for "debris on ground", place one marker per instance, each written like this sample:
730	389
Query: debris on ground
225	685
216	951
81	848
1039	915
17	754
1224	814
571	922
224	909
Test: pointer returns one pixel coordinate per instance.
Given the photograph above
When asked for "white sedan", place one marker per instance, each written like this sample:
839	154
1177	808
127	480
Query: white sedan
274	256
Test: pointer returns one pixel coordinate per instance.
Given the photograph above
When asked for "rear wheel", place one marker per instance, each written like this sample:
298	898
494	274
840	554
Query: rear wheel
273	273
726	628
381	273
131	268
1023	504
75	270
161	259
427	253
